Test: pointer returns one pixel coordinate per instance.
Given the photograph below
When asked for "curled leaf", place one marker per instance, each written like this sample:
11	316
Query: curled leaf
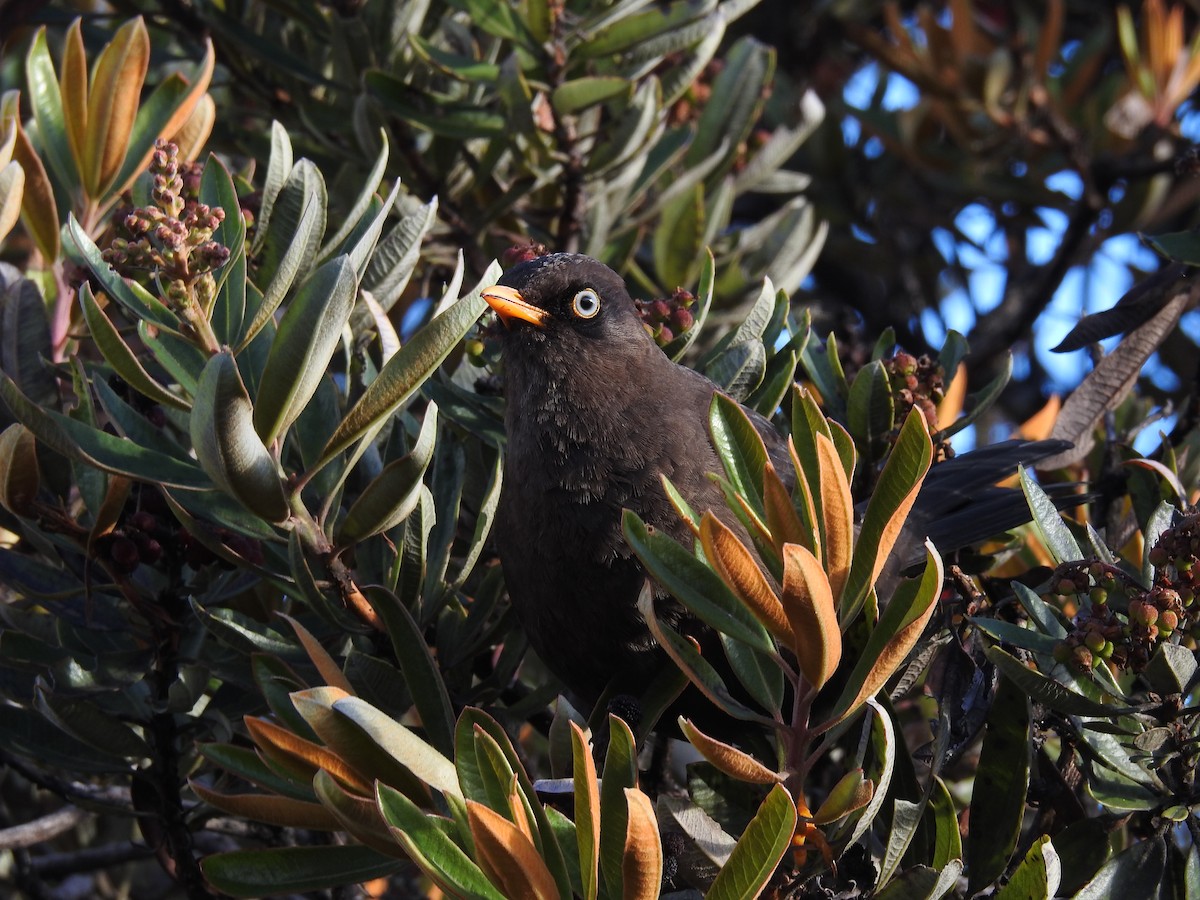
808	602
738	569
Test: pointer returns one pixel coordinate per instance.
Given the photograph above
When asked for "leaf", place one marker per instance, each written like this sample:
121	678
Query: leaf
740	448
408	369
736	99
888	508
837	511
737	568
508	856
808	602
120	355
642	861
227	445
38	206
893	637
587	812
271	809
116	88
1137	871
573	97
79	441
12	189
1113	377
852	792
871	408
694	584
1038	875
758	850
45	99
136	299
431	848
679	238
303	196
420	670
1047	691
310	331
1049	522
728	759
1001	783
352	217
287	870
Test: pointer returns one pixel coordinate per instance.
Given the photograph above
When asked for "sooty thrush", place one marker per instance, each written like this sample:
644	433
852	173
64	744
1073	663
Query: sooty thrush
596	415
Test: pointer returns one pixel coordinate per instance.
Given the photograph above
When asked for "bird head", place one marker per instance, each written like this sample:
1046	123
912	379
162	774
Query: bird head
568	300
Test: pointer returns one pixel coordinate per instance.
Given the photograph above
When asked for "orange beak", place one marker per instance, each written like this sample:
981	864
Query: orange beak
509	306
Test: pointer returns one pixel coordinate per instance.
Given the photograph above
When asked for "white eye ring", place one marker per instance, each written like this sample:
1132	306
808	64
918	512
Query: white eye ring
586	304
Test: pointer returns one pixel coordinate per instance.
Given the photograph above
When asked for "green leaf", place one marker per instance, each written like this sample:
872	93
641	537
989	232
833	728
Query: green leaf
395	491
78	441
740	448
736	100
25	350
1052	693
947	840
310	331
227	445
407	370
1001	783
982	400
362	203
1037	876
615	33
1018	636
694	584
1039	611
1181	246
758	850
620	772
572	97
279	166
902	475
120	356
45	100
217	190
1049	522
906	819
431	848
679	238
287	870
303	189
1135	872
871	409
421	673
394	259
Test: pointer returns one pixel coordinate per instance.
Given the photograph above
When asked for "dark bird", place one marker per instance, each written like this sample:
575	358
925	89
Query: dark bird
596	414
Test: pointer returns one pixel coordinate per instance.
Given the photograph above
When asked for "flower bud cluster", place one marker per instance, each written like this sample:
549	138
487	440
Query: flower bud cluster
1166	612
667	317
170	241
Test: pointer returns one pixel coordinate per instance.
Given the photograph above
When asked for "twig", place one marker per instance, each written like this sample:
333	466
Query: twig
88	859
40	830
90	796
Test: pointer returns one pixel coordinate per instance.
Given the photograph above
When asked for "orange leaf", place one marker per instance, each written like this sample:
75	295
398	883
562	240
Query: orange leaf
1037	427
738	569
278	743
782	519
73	86
809	605
951	406
38	208
642	862
852	792
507	856
286	812
113	101
326	666
837	507
193	134
727	758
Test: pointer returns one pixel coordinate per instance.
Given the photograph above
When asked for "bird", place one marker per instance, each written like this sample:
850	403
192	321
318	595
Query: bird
595	415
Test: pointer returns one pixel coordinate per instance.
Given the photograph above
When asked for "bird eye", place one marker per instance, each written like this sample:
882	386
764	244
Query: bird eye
586	304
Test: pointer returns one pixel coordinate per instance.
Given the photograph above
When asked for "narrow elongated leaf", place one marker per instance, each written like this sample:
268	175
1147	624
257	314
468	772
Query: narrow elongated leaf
38	208
73	87
132	296
113	100
572	97
808	603
888	509
738	569
758	850
79	441
362	203
694	584
288	870
310	331
728	759
1048	521
587	813
405	372
1001	783
120	356
1045	690
642	861
837	512
1038	875
226	444
284	812
740	448
431	848
45	99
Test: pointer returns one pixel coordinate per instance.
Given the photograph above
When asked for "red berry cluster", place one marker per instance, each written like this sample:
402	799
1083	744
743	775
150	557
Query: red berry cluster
667	317
917	382
1167	611
170	241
